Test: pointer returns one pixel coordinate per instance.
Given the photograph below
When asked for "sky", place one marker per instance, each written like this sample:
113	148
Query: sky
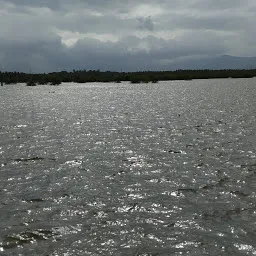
55	35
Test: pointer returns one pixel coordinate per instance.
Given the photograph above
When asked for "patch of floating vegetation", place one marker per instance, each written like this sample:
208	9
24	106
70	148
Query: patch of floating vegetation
34	200
248	165
26	237
32	159
177	151
226	214
28	159
37	235
31	83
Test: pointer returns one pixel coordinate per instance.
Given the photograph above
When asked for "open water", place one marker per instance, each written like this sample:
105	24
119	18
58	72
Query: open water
128	170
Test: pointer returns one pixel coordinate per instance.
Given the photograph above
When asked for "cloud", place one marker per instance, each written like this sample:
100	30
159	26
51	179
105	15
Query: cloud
146	23
109	34
131	53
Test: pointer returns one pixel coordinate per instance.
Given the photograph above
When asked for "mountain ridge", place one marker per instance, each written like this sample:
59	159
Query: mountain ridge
215	63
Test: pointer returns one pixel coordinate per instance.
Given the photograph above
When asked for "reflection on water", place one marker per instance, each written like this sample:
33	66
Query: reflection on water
107	169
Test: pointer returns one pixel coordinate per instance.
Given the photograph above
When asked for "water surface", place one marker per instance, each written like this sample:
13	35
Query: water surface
122	169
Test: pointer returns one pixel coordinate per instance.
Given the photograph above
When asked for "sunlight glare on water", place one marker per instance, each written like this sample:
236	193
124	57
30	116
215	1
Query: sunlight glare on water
123	169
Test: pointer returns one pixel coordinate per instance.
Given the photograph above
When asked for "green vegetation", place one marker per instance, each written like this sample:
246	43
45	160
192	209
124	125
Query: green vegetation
31	83
84	76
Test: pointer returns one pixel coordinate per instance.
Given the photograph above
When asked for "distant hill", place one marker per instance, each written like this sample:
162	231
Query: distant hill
220	62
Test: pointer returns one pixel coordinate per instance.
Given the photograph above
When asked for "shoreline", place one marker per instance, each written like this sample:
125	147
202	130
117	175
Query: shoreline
84	76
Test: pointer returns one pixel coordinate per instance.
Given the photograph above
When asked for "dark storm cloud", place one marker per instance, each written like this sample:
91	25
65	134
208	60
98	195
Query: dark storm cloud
42	56
64	34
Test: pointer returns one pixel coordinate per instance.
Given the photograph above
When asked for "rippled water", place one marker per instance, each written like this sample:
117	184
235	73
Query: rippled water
121	169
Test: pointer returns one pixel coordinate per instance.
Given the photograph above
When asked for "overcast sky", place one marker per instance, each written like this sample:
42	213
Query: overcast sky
54	35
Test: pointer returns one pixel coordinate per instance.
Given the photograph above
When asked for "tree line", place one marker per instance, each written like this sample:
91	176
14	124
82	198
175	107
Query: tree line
85	76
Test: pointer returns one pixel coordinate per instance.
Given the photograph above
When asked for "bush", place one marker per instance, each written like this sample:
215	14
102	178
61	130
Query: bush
31	83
